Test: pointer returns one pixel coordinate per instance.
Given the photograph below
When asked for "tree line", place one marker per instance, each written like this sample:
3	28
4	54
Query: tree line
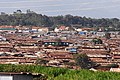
34	19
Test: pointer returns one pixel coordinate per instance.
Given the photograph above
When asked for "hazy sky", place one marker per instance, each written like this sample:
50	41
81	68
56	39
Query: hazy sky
89	8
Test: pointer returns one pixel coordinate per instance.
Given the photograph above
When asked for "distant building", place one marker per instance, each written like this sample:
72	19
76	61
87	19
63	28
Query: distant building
29	11
56	43
115	69
3	13
18	12
40	29
61	28
82	32
56	30
72	49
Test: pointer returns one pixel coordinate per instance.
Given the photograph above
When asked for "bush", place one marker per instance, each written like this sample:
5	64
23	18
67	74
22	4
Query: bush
112	66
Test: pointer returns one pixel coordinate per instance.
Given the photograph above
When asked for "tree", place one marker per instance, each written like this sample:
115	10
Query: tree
107	35
112	66
41	61
83	61
33	19
58	40
97	41
42	77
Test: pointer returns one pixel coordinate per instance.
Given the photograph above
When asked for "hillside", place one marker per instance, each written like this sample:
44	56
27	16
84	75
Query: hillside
34	19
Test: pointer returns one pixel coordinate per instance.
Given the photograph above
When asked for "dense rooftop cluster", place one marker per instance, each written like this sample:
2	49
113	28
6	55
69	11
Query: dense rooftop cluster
38	45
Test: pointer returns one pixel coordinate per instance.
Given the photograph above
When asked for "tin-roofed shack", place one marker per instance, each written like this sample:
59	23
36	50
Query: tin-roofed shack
18	76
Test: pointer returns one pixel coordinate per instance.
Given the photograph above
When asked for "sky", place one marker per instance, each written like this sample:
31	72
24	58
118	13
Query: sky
88	8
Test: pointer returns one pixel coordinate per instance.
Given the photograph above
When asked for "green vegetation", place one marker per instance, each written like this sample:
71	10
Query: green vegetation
34	19
83	61
107	35
97	41
60	73
112	66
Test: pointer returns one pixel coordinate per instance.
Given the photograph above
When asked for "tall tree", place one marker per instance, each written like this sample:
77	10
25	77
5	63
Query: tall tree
83	61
